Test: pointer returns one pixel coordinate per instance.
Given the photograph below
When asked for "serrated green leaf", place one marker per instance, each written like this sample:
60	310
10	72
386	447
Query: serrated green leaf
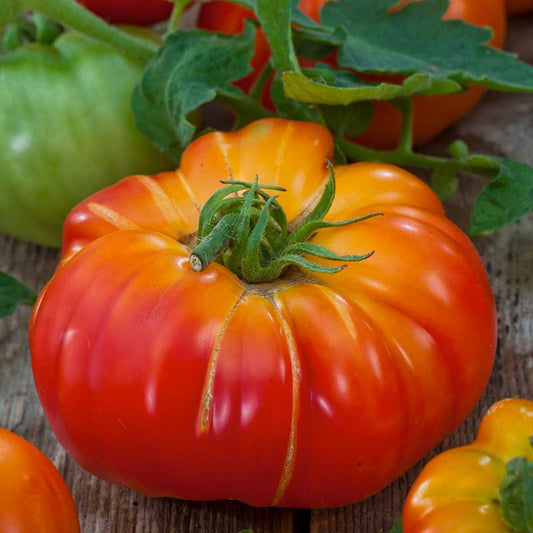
275	19
415	39
444	183
504	199
315	44
12	294
188	71
342	87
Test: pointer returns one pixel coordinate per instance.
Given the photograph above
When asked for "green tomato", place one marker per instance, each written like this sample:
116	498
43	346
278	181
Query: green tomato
66	131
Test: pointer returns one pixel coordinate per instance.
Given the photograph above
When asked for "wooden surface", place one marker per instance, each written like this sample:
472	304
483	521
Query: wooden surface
501	125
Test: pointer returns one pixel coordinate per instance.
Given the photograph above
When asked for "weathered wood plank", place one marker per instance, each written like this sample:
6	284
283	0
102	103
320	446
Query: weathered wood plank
502	125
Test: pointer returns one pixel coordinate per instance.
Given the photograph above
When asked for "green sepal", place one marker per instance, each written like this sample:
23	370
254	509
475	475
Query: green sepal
242	232
516	495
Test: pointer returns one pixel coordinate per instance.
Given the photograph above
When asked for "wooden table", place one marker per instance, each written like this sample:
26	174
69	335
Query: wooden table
501	125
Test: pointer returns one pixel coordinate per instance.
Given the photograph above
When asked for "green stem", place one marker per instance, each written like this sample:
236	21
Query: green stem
257	88
174	20
75	16
405	105
357	152
216	242
248	233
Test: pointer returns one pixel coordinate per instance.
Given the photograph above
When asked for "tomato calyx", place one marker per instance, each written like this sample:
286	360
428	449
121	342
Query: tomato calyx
249	233
516	494
30	29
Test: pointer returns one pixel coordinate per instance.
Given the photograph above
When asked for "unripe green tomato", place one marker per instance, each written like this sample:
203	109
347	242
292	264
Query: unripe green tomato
66	131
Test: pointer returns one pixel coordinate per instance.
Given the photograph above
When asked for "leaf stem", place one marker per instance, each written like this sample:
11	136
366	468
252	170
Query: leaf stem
259	84
175	17
357	152
405	105
75	16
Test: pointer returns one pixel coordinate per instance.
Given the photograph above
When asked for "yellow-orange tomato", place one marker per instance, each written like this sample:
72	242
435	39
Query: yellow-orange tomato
432	114
515	7
33	496
312	390
458	490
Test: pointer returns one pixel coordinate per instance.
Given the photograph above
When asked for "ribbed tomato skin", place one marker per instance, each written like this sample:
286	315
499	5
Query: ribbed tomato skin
309	391
458	489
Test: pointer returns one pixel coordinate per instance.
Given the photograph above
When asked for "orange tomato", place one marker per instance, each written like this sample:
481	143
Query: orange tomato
432	114
458	490
33	495
514	7
312	390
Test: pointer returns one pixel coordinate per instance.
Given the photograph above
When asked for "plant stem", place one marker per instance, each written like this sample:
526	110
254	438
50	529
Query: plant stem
75	16
405	105
174	20
357	152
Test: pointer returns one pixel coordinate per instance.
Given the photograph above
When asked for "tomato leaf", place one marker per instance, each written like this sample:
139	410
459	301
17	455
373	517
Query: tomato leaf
188	71
504	199
291	109
12	294
341	87
444	183
275	19
416	40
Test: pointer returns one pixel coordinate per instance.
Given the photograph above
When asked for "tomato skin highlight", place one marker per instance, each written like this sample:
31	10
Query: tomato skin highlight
139	12
34	496
198	385
432	114
458	489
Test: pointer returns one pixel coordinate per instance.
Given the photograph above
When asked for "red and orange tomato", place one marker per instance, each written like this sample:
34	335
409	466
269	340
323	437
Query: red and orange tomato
432	114
313	390
33	495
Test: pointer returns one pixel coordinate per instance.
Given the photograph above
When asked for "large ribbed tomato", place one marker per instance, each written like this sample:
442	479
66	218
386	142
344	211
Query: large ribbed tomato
312	390
432	114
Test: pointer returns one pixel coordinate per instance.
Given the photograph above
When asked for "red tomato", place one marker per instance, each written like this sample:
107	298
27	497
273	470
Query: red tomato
140	12
33	495
431	114
312	390
515	7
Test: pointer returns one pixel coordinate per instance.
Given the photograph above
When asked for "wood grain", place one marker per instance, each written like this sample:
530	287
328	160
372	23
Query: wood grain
502	125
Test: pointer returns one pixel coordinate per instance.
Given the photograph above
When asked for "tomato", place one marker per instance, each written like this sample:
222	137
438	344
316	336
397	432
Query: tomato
432	114
66	130
312	390
515	7
140	12
458	489
33	495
